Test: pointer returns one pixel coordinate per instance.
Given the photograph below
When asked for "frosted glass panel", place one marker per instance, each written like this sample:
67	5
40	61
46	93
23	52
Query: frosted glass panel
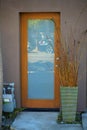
40	48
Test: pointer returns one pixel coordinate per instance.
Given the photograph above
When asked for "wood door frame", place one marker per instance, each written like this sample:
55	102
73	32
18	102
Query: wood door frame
24	80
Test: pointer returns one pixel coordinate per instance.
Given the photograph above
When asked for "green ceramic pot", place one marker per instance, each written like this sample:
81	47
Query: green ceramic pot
69	103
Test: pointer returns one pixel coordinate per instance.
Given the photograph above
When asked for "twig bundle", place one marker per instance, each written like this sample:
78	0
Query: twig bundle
69	64
70	58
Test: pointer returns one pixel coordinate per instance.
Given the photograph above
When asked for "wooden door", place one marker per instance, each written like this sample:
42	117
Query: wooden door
39	57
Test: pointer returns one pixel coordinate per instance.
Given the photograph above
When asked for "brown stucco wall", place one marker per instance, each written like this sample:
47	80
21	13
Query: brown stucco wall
1	82
10	36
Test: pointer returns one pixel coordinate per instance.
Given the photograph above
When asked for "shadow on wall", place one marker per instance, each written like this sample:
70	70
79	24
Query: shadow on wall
1	81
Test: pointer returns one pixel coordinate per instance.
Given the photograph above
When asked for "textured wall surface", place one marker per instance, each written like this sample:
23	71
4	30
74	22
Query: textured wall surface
1	80
10	10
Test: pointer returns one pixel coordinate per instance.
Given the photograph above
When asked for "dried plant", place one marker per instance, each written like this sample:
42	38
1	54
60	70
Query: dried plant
68	64
69	59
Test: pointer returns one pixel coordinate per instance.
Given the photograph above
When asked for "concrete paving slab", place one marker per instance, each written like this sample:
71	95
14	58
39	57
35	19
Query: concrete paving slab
84	120
41	121
71	127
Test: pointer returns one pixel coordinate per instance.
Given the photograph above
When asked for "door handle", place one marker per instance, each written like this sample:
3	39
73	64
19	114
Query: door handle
56	66
57	58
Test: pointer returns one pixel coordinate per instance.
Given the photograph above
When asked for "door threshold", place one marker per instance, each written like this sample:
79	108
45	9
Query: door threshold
41	110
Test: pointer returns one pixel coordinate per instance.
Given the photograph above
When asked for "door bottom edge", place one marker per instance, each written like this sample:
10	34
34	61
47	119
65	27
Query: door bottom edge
42	109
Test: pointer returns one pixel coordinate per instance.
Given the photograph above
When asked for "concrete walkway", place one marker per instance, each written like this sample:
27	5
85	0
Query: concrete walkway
41	121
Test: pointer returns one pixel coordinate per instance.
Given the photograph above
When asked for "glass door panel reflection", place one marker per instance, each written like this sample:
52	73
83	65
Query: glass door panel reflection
40	48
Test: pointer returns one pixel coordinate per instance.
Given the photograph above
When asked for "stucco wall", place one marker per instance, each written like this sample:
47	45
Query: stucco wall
10	35
1	81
